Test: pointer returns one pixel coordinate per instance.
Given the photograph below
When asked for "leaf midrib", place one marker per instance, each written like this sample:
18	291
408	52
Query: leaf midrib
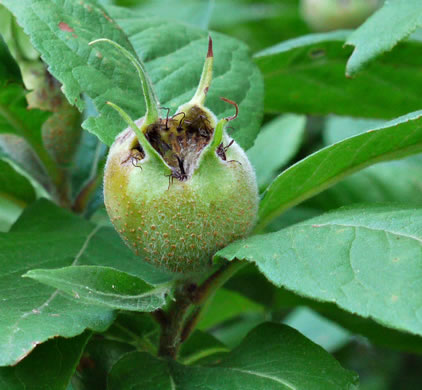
50	298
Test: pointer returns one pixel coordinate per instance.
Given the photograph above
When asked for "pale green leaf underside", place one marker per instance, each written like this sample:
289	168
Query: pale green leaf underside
271	357
396	139
46	236
103	286
395	21
307	75
366	259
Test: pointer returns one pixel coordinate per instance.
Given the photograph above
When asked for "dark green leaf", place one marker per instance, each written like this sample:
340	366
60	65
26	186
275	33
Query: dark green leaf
139	330
103	286
365	259
49	237
271	357
201	347
9	213
396	139
9	70
306	75
13	185
395	21
277	143
99	356
49	367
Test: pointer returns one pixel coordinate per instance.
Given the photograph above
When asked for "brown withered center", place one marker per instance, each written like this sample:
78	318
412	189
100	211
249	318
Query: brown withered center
179	140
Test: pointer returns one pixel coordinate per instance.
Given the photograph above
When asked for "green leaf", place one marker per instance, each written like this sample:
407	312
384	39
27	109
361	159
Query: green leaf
321	331
276	144
395	181
15	117
104	286
377	334
9	213
306	75
49	367
271	357
201	347
395	21
16	40
260	24
138	330
396	139
279	300
192	12
232	332
87	160
174	58
99	356
13	185
22	154
9	70
49	237
226	305
338	128
365	259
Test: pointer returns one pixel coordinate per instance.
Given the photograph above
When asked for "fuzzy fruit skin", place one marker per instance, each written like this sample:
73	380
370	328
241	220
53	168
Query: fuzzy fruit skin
179	225
327	15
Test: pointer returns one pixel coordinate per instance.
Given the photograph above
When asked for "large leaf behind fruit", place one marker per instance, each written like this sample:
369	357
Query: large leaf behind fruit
48	237
307	75
173	53
272	357
366	259
396	139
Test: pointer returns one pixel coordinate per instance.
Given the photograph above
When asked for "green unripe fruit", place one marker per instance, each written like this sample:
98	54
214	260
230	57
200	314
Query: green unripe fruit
327	15
177	189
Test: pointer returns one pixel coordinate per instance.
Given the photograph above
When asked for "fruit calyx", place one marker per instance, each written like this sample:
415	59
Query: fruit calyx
176	142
